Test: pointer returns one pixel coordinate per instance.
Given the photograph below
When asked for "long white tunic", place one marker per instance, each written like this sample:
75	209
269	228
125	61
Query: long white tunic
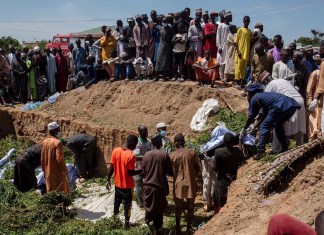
194	42
284	87
281	70
221	38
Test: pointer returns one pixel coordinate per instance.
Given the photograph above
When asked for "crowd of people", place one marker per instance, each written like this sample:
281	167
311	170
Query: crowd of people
284	88
171	47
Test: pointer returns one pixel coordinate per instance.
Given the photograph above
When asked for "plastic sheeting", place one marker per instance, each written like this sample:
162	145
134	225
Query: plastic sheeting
199	120
217	138
72	176
4	165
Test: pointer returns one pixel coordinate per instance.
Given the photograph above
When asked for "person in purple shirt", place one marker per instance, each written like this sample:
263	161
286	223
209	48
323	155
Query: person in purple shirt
275	52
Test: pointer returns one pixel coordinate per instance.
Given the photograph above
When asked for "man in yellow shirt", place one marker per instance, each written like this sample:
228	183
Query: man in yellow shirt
243	42
108	44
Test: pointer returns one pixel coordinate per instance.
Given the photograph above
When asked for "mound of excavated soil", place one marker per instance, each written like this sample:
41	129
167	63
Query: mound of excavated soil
248	213
125	106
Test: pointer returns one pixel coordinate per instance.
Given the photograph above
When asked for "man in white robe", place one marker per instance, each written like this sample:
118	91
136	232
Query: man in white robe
221	41
296	126
283	68
51	71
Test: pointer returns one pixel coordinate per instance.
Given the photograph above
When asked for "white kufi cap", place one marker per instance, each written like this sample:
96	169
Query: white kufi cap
160	125
36	49
52	126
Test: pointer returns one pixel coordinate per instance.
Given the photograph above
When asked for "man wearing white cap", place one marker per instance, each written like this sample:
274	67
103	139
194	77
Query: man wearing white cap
162	129
52	160
221	39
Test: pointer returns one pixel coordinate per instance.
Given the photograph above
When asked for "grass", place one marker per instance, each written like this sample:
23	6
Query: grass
234	122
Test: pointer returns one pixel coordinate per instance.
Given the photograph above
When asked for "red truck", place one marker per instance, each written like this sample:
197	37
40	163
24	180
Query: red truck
63	40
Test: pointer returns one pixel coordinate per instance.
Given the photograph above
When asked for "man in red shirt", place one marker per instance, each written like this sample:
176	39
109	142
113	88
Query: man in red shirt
122	166
210	31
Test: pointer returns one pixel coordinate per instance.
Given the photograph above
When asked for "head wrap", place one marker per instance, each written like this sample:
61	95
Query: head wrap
205	13
199	10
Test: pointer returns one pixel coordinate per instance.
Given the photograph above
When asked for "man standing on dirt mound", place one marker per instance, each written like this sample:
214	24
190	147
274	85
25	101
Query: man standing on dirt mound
122	165
52	160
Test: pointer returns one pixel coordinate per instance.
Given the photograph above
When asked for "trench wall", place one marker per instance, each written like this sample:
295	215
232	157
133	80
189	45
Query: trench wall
33	125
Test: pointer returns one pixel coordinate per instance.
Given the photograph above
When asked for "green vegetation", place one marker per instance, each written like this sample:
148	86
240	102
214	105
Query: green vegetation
233	121
315	40
31	213
10	142
6	41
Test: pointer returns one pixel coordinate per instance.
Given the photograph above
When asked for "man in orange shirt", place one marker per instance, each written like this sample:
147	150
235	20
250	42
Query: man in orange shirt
122	165
206	69
52	160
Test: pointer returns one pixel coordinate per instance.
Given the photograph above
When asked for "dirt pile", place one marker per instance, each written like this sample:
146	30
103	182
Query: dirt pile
125	106
248	213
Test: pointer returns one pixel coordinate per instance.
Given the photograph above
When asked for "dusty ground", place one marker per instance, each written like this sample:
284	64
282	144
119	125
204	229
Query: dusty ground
248	213
120	106
125	106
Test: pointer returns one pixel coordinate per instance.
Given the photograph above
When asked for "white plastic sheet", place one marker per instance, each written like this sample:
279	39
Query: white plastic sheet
199	120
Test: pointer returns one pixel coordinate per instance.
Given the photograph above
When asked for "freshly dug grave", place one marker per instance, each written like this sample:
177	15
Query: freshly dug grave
125	106
247	212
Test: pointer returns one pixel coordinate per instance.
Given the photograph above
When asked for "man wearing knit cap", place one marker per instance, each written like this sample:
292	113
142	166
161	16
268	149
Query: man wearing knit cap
283	68
221	41
141	36
242	57
185	168
156	165
164	53
52	160
198	13
210	31
162	130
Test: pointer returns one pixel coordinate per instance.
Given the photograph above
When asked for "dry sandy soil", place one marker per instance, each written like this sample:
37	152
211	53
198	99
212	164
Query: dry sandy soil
248	213
125	106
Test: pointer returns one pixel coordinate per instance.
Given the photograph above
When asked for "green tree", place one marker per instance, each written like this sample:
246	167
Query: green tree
315	40
42	44
6	41
308	41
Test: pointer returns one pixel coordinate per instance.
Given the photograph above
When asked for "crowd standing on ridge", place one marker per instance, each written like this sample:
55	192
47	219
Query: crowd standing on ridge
283	85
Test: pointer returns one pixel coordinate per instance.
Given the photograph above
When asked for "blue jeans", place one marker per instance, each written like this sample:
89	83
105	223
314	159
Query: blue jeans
274	119
126	70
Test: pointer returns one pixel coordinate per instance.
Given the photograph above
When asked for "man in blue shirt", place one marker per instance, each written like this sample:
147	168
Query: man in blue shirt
276	110
78	55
